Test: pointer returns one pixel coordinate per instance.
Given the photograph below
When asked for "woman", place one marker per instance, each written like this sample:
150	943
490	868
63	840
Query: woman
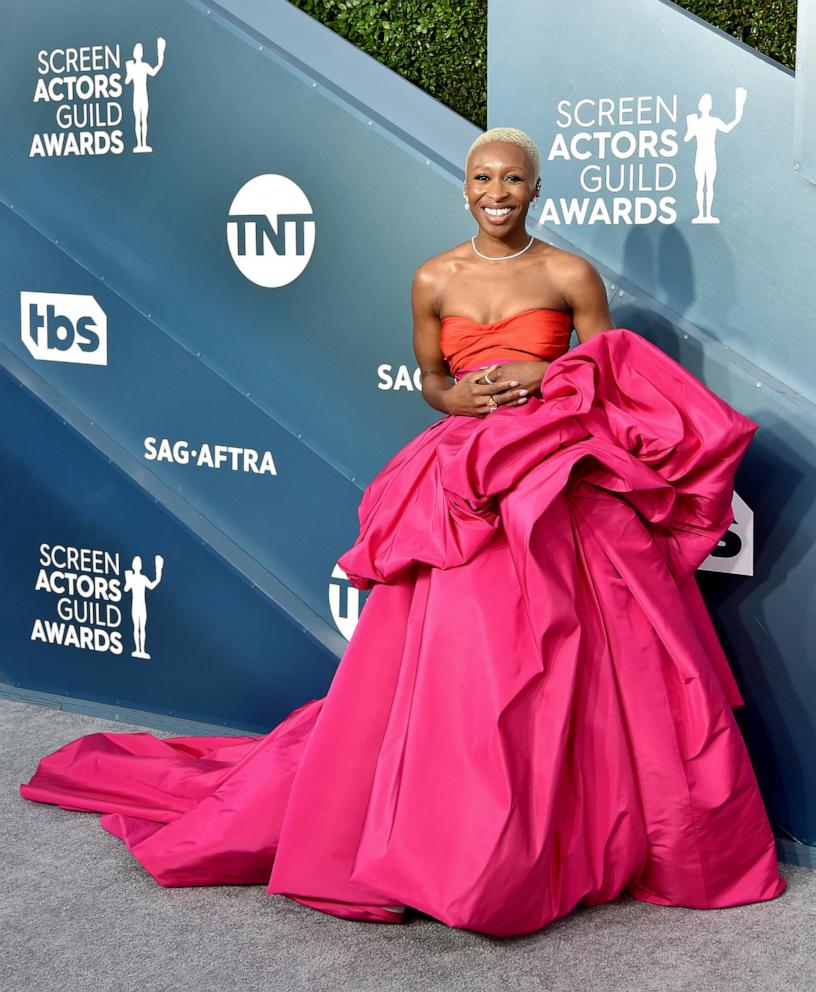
534	711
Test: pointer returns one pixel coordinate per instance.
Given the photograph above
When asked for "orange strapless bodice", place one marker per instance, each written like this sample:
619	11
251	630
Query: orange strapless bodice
537	335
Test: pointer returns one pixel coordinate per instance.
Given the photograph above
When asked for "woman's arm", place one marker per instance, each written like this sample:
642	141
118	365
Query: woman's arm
584	290
436	377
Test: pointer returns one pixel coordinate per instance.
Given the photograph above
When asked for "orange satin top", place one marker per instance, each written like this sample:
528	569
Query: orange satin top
538	335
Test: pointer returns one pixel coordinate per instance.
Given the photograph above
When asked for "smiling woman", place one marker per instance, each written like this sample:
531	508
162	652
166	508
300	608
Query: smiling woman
553	291
533	711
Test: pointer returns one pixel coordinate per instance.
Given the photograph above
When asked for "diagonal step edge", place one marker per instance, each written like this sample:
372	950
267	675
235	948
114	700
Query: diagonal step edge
288	603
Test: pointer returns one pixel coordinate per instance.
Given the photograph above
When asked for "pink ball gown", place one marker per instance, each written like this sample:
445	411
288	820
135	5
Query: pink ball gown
534	710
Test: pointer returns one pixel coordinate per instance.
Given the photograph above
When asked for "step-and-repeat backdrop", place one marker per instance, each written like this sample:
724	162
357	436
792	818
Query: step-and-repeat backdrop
681	160
208	226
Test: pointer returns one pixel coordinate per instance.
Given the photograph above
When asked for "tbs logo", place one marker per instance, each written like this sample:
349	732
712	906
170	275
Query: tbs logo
64	327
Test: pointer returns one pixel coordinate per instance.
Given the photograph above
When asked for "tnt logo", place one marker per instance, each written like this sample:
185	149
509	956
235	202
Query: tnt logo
344	602
64	327
271	230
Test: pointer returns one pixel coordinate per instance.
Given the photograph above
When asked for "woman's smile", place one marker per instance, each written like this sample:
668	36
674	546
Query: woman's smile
497	215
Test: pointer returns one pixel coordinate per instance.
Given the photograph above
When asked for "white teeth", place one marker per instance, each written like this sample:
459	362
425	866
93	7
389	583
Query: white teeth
497	211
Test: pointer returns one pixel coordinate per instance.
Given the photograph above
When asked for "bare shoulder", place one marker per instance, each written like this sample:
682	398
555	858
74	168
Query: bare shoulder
576	277
573	267
433	274
585	292
445	261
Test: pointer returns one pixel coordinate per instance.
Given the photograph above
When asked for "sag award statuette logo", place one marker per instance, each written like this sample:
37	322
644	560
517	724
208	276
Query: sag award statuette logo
89	592
136	74
271	230
628	156
81	92
136	583
704	127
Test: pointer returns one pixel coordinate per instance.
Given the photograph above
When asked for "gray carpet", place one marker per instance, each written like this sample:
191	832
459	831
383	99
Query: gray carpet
79	913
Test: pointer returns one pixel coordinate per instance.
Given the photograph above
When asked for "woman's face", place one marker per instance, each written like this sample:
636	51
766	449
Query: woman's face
500	186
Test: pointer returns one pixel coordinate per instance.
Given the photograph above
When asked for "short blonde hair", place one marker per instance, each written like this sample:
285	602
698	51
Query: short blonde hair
515	137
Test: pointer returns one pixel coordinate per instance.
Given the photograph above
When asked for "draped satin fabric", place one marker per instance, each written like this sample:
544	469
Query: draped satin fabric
534	711
539	334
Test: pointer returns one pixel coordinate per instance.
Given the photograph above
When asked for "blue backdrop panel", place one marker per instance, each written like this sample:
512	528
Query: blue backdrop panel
194	351
154	388
669	157
804	143
220	651
154	225
609	88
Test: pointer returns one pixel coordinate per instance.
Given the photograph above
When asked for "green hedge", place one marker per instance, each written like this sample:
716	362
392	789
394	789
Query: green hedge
441	45
767	25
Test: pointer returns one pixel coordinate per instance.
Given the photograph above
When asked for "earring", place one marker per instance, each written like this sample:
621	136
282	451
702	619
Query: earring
465	204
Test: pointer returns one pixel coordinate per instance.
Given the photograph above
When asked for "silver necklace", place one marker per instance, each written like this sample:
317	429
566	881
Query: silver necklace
500	258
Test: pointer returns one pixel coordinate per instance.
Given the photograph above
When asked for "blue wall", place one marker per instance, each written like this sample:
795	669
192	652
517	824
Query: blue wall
197	353
608	88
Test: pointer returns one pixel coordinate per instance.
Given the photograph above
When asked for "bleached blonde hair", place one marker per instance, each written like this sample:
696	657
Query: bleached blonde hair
515	137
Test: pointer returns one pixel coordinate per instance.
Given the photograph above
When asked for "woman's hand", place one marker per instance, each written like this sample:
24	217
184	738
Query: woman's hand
528	374
471	397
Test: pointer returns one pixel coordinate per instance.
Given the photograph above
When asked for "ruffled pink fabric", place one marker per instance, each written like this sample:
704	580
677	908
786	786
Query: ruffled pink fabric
534	711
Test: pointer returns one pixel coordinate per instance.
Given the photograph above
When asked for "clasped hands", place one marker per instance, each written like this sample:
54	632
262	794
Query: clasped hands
513	383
